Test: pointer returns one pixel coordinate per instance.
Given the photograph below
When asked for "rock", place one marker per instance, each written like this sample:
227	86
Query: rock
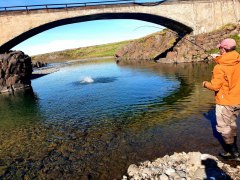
146	49
194	158
124	177
163	177
132	170
39	64
171	55
170	171
182	174
165	60
208	156
15	71
2	170
200	174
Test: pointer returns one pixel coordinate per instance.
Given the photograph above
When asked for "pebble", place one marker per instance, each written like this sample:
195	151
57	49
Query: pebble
170	171
181	174
132	170
164	177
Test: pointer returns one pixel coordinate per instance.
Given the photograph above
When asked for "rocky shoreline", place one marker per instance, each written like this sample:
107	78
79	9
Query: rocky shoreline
183	166
37	73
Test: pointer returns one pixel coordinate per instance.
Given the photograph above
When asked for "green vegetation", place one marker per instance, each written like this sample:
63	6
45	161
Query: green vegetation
213	51
236	37
81	53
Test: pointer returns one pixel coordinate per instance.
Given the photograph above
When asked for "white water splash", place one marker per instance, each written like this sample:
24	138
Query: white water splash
87	79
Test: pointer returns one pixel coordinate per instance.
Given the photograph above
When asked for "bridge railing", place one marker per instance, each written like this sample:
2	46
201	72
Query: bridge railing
65	6
82	4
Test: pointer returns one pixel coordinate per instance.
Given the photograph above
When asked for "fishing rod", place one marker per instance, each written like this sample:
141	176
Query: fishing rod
182	37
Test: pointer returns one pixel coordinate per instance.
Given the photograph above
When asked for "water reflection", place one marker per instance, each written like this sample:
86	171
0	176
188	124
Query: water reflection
19	109
96	131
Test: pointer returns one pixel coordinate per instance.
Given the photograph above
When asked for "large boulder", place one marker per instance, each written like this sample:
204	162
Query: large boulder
15	71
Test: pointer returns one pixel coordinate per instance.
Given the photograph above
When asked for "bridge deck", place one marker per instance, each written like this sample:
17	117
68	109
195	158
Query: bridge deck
89	3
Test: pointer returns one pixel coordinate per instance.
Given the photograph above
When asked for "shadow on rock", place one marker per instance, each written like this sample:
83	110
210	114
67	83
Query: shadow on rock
212	171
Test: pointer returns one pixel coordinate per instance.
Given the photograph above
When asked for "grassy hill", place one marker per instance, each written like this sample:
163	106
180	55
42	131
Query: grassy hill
81	53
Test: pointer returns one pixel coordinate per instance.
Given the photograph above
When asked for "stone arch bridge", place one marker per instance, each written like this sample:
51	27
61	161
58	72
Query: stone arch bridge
183	16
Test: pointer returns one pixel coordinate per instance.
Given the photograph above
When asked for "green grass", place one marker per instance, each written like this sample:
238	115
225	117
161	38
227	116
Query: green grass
236	37
81	53
213	51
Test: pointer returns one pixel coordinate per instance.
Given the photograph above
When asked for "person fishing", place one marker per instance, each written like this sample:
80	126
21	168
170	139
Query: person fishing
225	83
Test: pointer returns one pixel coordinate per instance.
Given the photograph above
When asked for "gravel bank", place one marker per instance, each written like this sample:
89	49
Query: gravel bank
184	166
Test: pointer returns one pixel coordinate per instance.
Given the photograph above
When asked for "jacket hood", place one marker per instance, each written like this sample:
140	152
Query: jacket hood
228	59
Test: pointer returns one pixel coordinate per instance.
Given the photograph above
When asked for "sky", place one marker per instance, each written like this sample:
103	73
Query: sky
80	34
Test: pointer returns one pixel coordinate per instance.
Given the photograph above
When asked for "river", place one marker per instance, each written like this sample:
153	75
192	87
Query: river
92	120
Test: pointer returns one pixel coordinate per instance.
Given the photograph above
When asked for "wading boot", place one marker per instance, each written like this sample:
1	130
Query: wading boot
235	151
231	152
226	155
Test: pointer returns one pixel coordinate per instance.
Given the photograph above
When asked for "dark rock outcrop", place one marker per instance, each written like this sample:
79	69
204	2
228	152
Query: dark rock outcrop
15	71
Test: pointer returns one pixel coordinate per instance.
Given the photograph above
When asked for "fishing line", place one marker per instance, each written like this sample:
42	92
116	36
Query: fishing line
205	51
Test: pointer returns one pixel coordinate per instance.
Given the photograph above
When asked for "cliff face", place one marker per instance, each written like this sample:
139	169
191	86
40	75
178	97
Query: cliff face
147	48
164	47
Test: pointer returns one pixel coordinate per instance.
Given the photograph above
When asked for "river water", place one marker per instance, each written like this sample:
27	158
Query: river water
92	120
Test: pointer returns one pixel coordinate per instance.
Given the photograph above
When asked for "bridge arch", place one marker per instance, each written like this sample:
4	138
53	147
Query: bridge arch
176	26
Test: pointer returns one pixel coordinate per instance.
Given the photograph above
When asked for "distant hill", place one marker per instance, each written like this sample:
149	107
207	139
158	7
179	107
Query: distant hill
104	50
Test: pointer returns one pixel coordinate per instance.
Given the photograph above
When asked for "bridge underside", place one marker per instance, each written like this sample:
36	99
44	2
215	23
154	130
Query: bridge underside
179	28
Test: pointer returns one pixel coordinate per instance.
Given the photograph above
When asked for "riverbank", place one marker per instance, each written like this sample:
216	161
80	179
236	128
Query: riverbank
192	165
54	67
37	73
92	59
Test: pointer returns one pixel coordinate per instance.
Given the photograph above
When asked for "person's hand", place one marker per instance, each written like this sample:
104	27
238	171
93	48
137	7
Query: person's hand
215	55
203	83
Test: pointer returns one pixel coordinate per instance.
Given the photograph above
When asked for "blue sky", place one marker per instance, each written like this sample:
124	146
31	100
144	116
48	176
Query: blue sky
80	34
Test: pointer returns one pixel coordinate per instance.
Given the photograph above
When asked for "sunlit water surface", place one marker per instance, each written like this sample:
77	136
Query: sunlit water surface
92	120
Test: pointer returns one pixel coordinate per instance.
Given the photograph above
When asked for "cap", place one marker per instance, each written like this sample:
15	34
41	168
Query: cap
227	43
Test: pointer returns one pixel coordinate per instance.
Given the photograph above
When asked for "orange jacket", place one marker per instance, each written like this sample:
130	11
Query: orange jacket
226	79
